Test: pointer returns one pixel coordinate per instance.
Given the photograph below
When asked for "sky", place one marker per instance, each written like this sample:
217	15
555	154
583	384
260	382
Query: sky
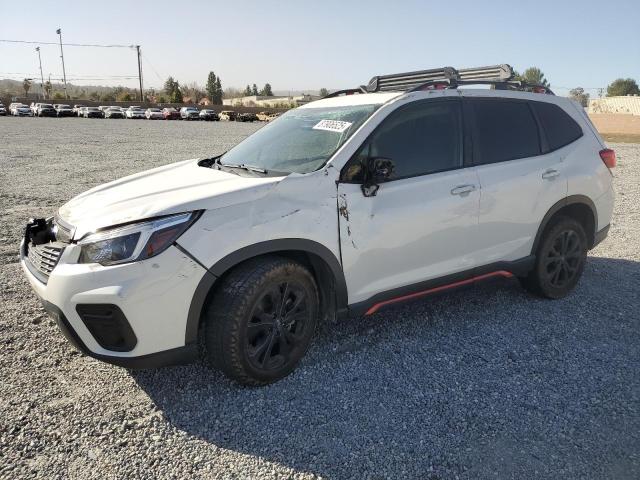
304	45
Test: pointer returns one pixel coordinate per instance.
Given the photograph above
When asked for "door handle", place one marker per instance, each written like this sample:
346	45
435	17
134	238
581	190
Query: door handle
550	174
463	190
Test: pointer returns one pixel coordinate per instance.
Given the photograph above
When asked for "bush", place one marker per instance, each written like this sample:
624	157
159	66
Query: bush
58	96
622	87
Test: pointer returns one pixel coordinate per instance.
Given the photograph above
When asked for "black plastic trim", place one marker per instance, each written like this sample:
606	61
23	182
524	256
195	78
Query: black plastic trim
175	356
570	200
108	325
600	236
518	268
270	246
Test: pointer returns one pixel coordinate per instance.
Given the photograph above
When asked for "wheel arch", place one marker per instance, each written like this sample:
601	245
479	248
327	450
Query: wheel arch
579	207
323	264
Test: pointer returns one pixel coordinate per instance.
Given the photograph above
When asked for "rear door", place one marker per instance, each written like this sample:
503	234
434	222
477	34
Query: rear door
519	183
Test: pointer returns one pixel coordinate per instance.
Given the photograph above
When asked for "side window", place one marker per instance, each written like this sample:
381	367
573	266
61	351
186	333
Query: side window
420	138
558	126
505	130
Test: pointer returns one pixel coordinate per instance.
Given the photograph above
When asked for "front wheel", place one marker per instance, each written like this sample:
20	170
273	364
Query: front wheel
261	320
560	260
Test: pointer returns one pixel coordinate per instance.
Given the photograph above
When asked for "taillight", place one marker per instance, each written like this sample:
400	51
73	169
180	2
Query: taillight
608	156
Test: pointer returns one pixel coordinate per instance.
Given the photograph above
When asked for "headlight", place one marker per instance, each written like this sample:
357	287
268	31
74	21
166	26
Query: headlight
135	241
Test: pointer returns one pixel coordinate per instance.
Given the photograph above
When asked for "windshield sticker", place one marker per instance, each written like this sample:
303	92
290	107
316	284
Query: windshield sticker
332	125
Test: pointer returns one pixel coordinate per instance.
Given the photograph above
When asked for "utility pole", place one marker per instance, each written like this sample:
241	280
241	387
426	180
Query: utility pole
64	73
41	76
140	72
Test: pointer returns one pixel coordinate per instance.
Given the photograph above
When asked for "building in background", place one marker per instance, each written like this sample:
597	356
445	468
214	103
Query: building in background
270	101
629	105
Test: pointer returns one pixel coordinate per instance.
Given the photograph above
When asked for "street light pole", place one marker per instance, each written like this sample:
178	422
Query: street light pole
64	73
41	75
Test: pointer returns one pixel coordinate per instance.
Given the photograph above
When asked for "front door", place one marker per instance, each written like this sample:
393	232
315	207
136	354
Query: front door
421	222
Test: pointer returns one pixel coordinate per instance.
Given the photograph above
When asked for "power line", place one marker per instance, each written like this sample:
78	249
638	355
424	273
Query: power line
29	42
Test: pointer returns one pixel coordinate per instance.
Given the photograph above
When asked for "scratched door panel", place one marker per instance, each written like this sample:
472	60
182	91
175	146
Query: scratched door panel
414	229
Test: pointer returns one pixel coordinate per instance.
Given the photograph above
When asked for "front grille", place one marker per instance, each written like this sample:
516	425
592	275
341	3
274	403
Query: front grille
45	257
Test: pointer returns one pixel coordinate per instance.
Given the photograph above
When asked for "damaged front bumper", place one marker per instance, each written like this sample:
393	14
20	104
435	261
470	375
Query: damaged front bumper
133	315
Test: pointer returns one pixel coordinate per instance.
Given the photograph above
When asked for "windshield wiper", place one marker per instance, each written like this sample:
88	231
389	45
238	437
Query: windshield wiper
244	166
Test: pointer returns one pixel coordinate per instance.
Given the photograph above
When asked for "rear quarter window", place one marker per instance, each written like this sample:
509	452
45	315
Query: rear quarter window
504	130
559	128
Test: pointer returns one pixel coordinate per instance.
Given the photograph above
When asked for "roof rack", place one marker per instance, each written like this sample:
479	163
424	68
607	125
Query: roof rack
501	77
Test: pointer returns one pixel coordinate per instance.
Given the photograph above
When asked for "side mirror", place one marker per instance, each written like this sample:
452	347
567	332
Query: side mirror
378	170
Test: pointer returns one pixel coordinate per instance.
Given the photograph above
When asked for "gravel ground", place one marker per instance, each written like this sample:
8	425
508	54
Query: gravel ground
485	383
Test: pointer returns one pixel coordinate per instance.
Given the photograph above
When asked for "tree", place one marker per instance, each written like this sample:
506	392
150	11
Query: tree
324	92
622	87
124	97
107	97
58	96
535	76
266	91
172	89
247	91
210	87
254	90
217	99
26	85
579	96
47	88
95	96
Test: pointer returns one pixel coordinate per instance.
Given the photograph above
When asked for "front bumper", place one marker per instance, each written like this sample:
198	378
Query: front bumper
154	295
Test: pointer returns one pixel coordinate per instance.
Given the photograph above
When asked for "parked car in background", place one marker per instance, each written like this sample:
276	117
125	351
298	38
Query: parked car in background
189	113
273	116
3	110
170	113
134	112
20	110
92	112
76	109
63	110
113	112
46	110
102	108
208	114
34	107
153	114
263	116
246	117
228	115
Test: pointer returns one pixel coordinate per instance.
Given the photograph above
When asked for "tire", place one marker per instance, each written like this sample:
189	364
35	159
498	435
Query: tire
250	334
560	259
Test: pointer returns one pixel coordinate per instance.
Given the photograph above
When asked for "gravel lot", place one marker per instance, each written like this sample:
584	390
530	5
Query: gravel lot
484	383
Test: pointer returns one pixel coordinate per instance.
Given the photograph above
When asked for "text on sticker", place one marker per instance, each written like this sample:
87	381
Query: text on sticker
332	125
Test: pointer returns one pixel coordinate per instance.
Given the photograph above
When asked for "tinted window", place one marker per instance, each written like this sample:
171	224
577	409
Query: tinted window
421	138
558	126
506	130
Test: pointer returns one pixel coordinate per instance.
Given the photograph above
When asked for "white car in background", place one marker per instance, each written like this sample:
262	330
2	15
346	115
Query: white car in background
153	114
20	110
342	207
134	112
189	113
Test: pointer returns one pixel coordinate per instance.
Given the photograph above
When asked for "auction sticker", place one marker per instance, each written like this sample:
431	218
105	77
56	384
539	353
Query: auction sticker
332	125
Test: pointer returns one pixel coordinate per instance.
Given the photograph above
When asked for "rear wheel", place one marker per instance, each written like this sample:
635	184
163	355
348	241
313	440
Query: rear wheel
560	260
261	320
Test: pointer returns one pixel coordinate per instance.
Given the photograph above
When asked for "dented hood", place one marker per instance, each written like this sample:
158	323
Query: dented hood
174	188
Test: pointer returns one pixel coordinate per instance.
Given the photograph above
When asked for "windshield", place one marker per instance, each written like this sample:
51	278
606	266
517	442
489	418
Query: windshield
301	140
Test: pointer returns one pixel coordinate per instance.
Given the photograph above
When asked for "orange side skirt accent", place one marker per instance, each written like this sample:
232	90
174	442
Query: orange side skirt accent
499	273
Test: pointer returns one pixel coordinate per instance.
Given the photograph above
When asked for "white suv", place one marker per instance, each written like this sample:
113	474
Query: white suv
338	208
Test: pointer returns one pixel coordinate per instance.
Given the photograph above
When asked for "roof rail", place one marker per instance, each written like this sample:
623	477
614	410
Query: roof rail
501	77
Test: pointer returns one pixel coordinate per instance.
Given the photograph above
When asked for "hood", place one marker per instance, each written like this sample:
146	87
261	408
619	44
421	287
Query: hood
173	188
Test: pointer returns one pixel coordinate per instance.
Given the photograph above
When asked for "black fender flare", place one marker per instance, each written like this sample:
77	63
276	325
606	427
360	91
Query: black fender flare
565	202
245	253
